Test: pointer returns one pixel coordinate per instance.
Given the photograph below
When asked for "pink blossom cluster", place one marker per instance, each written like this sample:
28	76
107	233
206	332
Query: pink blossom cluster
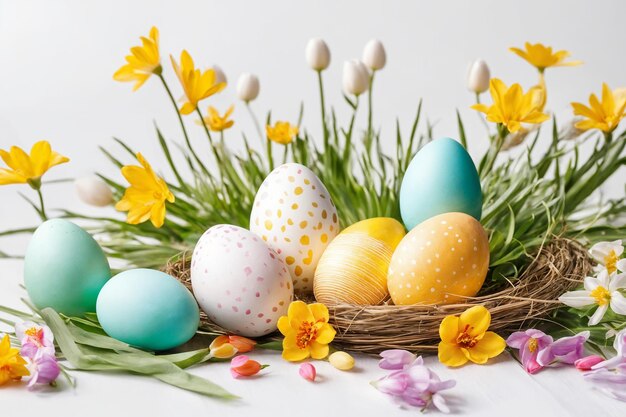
38	349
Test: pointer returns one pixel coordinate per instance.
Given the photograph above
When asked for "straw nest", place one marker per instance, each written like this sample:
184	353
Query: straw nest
558	267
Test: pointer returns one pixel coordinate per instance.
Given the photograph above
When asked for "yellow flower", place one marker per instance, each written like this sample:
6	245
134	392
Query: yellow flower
542	57
24	168
604	115
146	196
282	132
143	61
306	330
218	123
12	365
466	338
511	106
197	85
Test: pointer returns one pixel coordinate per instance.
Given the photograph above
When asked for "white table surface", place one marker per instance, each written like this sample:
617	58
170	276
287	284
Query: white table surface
501	388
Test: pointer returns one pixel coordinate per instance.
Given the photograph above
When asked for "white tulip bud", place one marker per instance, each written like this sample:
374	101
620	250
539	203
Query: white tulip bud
248	87
374	55
355	77
93	191
220	77
478	77
317	54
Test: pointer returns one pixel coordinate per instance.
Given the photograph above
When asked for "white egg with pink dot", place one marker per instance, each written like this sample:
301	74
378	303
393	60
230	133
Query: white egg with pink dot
239	281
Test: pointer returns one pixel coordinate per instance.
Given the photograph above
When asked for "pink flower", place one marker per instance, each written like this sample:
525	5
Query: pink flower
307	371
565	350
34	338
43	368
530	343
610	381
244	366
395	359
585	364
415	385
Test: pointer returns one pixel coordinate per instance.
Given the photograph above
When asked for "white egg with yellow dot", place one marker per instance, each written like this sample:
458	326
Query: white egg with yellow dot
294	214
443	260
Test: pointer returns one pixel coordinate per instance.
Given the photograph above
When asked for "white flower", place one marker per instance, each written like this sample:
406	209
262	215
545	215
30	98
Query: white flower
248	87
317	54
356	77
374	55
607	254
601	291
478	76
93	191
220	77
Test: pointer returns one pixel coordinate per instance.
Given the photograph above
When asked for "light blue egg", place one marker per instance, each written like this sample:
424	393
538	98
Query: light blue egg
148	309
64	268
441	178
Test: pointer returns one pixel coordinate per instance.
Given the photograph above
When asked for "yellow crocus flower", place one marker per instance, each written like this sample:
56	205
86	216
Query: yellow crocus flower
281	132
465	338
511	106
145	198
542	57
12	365
28	169
306	330
218	123
604	115
142	62
196	84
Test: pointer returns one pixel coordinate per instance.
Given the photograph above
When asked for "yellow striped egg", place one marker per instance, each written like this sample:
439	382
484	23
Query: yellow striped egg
353	269
442	260
294	214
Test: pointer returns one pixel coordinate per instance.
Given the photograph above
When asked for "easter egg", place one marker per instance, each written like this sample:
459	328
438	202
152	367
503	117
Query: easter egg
353	269
441	261
148	309
64	268
441	178
294	214
239	281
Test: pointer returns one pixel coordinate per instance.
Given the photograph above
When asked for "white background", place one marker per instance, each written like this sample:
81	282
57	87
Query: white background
56	65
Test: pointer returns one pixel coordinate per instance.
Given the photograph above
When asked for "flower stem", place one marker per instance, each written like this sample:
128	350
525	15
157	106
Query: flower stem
208	133
370	133
256	123
323	105
42	212
270	158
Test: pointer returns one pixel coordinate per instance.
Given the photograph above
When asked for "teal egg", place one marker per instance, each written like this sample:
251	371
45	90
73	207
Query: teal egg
64	268
441	178
148	309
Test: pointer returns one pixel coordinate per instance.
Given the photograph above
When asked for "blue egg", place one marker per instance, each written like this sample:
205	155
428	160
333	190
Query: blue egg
441	178
148	309
64	268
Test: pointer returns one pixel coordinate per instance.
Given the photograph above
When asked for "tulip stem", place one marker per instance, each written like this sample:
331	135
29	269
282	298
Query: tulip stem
42	212
370	133
208	133
270	158
285	153
256	122
323	104
182	124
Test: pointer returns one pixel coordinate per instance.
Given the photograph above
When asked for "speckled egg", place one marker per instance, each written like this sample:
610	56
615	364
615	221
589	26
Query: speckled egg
441	261
294	214
239	281
353	269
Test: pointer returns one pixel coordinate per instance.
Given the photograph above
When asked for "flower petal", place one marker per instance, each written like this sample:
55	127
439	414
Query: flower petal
597	316
325	334
319	311
318	350
450	354
478	318
449	329
577	299
618	303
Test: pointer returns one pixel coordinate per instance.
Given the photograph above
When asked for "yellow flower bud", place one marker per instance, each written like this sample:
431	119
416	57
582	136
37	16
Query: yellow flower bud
341	361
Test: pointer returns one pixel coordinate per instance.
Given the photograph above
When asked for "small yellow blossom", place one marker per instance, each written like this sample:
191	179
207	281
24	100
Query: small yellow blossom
145	198
604	115
466	338
542	57
218	123
511	106
143	61
12	365
196	84
281	132
306	330
24	168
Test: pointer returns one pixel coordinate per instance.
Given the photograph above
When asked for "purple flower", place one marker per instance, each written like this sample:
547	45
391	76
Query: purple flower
395	359
34	338
414	385
43	368
565	350
610	381
530	343
620	347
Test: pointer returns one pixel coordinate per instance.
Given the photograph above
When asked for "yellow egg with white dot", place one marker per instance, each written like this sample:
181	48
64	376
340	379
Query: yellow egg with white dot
443	260
353	269
294	214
